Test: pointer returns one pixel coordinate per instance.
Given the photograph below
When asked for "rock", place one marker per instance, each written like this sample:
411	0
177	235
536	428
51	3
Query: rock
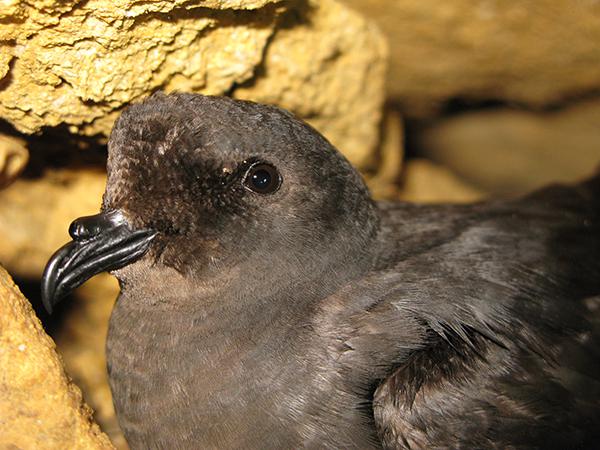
13	158
79	63
508	151
327	65
39	405
536	53
383	183
427	182
36	213
81	342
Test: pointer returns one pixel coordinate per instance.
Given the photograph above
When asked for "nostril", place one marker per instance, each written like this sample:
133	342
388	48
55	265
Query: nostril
89	227
77	230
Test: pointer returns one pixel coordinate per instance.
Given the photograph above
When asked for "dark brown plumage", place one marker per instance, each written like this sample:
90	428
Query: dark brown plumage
277	306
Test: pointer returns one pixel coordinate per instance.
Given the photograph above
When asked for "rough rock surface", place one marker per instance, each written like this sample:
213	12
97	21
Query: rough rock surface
39	406
13	158
533	52
35	215
508	151
78	63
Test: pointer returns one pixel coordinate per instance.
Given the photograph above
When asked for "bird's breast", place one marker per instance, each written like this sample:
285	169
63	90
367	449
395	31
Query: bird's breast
178	381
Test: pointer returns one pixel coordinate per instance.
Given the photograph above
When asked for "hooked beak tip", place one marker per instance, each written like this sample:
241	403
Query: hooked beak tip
100	243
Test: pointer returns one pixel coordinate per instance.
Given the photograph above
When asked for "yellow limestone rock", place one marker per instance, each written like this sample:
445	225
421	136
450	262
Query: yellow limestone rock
427	182
13	158
327	64
509	151
40	408
74	62
383	184
533	52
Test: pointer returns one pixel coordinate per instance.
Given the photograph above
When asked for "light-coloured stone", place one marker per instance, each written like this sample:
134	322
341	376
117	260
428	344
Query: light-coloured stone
35	215
13	158
427	182
79	63
76	62
327	64
39	405
533	52
383	183
510	151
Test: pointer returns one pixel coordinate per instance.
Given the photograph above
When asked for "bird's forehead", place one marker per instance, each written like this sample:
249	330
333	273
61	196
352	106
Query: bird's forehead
209	132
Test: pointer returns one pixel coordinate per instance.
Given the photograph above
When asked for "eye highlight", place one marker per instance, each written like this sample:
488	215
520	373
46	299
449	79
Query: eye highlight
262	178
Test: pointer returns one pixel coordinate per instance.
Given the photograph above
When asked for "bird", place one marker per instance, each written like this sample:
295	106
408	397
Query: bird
267	301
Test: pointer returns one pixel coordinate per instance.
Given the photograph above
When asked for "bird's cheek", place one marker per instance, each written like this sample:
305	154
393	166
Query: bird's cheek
186	254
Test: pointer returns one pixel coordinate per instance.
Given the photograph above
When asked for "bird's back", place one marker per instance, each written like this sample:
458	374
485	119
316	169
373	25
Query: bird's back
508	296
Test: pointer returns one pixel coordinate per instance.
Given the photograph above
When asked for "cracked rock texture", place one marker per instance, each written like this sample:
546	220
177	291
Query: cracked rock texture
508	151
39	405
79	63
532	52
76	62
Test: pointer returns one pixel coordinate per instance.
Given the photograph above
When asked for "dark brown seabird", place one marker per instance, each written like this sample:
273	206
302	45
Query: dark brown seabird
267	302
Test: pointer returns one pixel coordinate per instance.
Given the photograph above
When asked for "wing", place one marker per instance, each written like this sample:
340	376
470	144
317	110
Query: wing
488	337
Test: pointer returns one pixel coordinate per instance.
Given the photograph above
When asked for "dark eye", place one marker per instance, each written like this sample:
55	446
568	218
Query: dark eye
262	178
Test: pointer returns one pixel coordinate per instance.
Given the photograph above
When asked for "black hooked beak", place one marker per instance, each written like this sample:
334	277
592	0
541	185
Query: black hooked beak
100	243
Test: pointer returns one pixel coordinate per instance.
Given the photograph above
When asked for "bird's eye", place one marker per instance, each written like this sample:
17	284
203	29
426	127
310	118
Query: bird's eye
262	178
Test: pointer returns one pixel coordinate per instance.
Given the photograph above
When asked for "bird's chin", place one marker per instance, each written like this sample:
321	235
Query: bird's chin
104	242
137	270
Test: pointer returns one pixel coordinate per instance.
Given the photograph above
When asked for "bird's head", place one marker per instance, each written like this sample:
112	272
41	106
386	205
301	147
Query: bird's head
208	185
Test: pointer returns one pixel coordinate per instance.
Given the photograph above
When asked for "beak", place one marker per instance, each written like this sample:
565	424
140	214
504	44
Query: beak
100	243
